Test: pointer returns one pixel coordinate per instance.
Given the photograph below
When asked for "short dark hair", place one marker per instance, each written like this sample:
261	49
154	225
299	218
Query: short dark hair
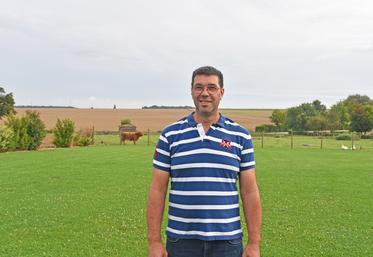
209	70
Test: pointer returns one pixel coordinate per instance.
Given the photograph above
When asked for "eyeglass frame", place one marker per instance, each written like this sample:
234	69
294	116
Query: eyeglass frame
211	88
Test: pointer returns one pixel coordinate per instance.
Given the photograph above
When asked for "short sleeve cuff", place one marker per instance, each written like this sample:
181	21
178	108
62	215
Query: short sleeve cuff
161	166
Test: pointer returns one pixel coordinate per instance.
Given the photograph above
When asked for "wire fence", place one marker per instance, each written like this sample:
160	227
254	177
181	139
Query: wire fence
315	141
283	140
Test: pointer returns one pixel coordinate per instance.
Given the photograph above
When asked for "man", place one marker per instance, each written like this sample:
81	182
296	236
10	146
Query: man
204	154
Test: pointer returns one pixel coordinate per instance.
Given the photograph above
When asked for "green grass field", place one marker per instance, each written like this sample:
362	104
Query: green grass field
92	201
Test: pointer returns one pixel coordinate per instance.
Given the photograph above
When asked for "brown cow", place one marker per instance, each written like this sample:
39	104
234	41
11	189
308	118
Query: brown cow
130	136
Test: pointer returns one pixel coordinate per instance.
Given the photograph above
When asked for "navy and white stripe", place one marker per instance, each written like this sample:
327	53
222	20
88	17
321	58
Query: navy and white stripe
204	168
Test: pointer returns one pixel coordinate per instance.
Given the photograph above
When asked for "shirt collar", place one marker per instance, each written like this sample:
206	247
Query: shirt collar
221	121
193	123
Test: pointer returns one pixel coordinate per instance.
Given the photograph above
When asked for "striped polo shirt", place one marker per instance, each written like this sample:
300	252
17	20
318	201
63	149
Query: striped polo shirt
204	168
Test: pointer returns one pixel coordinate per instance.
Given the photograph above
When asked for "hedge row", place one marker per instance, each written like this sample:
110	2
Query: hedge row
28	132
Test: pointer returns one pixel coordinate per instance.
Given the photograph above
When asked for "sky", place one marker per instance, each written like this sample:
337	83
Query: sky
273	54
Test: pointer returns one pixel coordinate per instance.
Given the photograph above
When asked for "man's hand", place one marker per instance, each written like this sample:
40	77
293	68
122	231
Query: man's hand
156	249
251	250
154	213
253	212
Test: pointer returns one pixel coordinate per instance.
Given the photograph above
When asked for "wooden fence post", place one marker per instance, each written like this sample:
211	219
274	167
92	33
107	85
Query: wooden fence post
352	140
262	139
292	140
93	135
148	136
321	141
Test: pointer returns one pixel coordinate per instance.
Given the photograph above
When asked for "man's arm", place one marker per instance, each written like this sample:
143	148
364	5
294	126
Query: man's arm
253	212
154	214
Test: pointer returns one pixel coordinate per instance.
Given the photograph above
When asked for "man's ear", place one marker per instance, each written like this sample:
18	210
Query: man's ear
222	93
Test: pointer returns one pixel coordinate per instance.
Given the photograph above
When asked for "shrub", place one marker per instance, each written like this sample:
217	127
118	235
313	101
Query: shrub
35	130
346	136
83	137
266	128
369	136
82	141
63	133
6	137
125	122
28	131
21	139
343	136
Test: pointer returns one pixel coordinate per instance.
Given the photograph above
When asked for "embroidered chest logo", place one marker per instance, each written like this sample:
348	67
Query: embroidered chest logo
225	143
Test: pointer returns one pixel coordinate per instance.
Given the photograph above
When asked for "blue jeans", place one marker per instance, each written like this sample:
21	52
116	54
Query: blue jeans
198	248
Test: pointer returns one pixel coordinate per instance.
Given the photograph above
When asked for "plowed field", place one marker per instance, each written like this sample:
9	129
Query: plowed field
144	119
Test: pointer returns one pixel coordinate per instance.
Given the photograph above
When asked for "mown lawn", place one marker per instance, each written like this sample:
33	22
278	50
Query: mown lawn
91	201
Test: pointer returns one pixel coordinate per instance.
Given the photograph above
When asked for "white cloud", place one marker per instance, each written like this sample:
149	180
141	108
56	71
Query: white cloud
145	51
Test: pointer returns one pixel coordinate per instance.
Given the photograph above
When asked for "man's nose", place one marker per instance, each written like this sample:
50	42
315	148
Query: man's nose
205	91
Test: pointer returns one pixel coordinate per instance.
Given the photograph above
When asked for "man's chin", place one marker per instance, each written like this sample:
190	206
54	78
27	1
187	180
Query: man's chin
206	112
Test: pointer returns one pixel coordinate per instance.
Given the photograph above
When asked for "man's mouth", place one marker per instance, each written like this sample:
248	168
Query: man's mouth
204	103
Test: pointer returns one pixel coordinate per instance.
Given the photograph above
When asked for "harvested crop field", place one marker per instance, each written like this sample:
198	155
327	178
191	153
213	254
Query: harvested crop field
144	119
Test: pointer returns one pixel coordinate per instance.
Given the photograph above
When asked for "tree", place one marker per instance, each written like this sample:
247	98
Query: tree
6	103
63	133
320	108
278	117
295	119
362	118
358	99
298	118
338	117
317	123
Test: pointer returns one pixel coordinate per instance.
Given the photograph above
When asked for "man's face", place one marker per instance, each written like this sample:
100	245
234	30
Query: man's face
206	94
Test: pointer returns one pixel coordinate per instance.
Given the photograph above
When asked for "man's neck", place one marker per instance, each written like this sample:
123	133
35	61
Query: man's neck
206	121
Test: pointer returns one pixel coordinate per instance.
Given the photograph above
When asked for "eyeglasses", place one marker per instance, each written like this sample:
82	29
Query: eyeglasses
211	89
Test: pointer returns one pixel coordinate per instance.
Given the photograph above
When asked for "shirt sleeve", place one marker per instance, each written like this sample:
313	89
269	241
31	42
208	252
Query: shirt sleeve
247	155
162	159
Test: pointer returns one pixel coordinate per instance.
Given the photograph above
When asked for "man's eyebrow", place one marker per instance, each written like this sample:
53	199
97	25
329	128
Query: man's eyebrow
210	84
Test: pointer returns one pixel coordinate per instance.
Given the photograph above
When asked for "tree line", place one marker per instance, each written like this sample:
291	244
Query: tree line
167	107
44	106
355	113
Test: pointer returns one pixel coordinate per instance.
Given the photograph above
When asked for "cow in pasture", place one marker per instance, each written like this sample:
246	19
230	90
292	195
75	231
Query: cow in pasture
130	136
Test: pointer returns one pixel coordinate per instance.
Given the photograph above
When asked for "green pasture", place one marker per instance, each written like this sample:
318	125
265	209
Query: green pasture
92	201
